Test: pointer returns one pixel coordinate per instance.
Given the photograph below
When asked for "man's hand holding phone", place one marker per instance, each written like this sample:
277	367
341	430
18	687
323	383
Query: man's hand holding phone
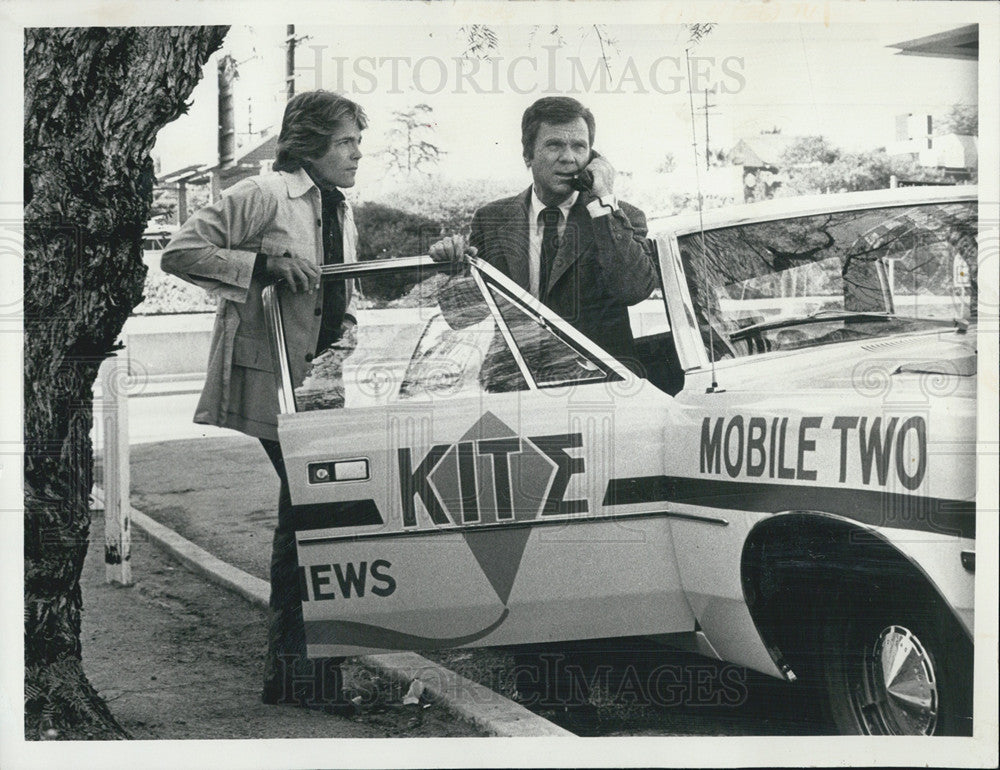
451	249
601	175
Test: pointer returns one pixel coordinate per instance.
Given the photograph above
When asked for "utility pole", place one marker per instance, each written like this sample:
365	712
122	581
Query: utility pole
705	109
290	61
227	129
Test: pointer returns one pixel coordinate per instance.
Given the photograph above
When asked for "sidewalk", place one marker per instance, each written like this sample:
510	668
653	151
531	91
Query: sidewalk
220	494
177	657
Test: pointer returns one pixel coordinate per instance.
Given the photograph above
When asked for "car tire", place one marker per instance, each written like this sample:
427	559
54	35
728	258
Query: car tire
896	669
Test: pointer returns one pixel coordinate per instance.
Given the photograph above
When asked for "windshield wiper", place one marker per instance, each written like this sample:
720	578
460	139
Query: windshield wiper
820	316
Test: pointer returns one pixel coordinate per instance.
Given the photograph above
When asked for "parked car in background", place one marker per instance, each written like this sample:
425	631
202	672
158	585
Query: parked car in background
783	478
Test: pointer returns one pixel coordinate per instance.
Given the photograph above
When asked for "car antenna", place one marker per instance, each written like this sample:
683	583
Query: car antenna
714	388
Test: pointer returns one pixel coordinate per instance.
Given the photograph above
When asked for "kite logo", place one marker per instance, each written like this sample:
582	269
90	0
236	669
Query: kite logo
491	476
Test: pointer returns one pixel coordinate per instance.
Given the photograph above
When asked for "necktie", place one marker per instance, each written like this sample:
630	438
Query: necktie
550	245
334	301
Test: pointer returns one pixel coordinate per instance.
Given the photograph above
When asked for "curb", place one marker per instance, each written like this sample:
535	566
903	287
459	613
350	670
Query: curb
492	712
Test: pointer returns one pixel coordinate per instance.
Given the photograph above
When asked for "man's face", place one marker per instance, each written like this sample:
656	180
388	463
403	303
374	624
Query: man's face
337	167
561	151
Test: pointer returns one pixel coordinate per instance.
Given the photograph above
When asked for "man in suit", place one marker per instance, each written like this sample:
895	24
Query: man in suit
581	252
585	255
279	228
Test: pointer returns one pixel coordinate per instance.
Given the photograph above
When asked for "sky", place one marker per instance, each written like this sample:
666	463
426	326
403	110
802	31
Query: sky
839	79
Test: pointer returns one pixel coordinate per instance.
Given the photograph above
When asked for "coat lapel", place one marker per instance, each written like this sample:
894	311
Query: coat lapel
577	238
514	238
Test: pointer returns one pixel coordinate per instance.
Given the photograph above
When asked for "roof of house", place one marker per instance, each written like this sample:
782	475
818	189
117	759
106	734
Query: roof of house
761	151
246	164
958	43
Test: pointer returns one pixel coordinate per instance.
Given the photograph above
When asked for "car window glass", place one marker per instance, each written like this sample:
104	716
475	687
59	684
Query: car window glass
551	359
421	334
802	281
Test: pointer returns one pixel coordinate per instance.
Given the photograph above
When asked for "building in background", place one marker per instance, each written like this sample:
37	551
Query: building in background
957	155
762	168
959	43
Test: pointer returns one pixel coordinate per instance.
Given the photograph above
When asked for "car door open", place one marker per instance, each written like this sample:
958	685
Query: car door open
452	461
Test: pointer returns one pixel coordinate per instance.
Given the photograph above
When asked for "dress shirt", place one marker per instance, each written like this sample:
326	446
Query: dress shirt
598	207
535	229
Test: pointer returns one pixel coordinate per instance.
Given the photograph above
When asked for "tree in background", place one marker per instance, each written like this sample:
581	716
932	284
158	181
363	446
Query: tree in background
813	165
481	42
962	119
409	146
95	99
810	149
668	164
164	207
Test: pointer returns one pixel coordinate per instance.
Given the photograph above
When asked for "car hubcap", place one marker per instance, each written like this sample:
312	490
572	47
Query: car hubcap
901	675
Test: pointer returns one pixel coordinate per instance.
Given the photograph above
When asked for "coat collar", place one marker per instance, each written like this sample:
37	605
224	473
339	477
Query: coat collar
298	182
515	239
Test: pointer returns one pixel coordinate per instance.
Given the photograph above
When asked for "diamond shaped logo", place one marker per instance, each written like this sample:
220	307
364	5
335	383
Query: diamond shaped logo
493	476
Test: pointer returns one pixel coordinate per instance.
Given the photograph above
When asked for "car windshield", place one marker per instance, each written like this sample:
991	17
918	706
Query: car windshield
804	281
427	332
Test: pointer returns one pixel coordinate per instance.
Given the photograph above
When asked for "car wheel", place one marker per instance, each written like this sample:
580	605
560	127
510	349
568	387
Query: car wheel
897	670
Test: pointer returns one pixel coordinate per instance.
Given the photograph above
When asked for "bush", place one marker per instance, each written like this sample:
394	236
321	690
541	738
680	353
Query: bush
448	204
384	232
164	293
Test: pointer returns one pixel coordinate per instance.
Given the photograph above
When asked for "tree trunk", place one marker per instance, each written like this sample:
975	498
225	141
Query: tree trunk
94	101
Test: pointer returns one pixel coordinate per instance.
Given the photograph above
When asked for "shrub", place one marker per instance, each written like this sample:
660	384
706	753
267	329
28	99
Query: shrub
384	232
448	204
164	293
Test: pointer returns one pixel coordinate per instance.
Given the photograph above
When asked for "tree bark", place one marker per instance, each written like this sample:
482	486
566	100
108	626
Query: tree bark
94	101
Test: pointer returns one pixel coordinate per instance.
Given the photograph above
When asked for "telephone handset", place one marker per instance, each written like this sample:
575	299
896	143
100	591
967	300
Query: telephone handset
584	181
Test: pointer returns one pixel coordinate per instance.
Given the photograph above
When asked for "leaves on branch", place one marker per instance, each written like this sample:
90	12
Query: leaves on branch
481	42
409	147
697	32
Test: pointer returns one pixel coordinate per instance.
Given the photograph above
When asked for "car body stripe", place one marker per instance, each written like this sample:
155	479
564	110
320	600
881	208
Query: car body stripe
879	509
349	513
351	633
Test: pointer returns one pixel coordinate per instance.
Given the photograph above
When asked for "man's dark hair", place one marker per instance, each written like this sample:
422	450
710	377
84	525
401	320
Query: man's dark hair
556	110
310	119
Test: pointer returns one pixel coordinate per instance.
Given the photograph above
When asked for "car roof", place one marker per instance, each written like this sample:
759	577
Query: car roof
782	208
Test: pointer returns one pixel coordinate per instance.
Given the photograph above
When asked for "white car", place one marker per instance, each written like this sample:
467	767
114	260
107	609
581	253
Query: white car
784	478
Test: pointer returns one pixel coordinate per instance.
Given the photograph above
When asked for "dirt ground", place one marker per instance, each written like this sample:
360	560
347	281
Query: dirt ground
178	657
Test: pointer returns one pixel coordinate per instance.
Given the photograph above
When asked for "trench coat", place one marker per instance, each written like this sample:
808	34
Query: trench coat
278	214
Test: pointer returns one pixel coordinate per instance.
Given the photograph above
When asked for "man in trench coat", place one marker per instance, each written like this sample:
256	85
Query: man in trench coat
279	228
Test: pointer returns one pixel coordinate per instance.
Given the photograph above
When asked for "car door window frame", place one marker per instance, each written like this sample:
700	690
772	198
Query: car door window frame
481	272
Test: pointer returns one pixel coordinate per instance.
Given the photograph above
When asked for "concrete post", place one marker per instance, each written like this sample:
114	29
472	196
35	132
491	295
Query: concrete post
113	413
182	202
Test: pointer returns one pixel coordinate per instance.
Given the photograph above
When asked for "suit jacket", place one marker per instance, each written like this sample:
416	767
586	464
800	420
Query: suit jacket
603	264
278	214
